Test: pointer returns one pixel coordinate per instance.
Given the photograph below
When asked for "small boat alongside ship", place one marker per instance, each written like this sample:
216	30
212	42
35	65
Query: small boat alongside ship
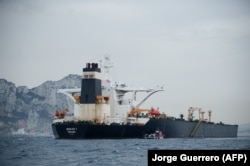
102	109
157	135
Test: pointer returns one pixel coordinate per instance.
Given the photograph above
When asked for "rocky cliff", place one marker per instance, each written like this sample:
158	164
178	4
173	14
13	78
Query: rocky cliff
32	110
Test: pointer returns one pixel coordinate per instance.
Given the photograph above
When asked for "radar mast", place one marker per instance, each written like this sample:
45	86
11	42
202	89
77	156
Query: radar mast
106	64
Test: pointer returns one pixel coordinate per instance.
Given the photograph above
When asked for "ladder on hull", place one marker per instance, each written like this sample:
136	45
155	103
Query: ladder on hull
196	127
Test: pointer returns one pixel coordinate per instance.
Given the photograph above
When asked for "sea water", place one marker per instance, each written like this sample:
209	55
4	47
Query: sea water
29	150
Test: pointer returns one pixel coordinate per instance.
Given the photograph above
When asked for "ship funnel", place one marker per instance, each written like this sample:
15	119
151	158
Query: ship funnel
91	84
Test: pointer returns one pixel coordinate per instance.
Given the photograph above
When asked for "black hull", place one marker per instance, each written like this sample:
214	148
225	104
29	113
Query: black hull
170	128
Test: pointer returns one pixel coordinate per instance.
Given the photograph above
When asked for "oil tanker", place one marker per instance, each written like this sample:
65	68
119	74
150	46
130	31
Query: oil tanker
103	109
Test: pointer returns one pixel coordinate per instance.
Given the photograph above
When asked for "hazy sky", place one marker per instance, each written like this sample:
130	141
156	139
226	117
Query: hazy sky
200	50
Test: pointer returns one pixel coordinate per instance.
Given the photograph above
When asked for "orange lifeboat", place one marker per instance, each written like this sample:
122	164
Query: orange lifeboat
155	112
60	115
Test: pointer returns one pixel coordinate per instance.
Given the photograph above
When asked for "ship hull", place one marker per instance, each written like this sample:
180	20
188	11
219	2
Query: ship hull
171	128
84	130
182	129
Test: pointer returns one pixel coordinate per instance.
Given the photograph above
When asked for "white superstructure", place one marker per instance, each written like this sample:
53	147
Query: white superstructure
109	104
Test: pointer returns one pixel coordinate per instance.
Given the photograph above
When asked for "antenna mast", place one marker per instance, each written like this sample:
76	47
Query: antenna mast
106	64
